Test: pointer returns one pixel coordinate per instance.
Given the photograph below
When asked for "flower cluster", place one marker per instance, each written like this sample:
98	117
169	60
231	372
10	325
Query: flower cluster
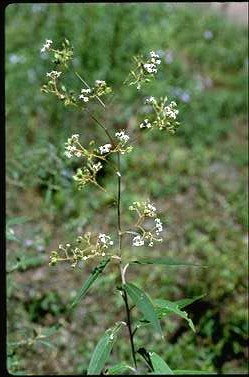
123	138
146	210
73	147
100	88
53	75
151	65
105	148
46	46
163	117
85	247
144	70
87	174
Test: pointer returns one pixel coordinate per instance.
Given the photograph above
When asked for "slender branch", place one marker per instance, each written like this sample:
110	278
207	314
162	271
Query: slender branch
84	82
102	126
122	271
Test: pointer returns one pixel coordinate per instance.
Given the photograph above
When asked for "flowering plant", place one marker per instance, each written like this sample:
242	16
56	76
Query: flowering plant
148	227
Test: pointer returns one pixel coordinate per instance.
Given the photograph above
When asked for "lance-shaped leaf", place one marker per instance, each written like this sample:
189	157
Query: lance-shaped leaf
187	301
165	261
103	349
159	365
91	279
181	372
144	304
164	307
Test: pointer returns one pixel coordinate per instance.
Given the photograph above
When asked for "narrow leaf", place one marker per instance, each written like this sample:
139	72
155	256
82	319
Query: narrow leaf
192	372
165	261
165	307
159	365
187	301
119	369
144	304
103	349
91	279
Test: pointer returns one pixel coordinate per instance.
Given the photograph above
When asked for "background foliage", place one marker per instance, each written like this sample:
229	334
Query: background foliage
197	179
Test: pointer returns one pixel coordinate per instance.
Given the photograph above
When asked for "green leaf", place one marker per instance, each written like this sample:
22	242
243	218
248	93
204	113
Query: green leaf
103	349
119	369
144	304
165	261
187	301
159	365
46	343
164	307
91	279
191	372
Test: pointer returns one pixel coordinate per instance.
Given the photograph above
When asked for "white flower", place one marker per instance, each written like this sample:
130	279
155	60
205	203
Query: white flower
105	148
68	154
100	82
159	226
138	241
84	98
122	136
150	100
75	137
104	240
170	110
53	74
145	124
47	45
86	90
96	167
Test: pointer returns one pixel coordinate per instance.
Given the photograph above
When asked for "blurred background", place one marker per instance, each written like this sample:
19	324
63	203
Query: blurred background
197	179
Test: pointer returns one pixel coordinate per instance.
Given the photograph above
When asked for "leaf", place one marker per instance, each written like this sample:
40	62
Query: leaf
187	301
119	369
192	372
165	261
103	349
165	307
159	365
91	279
144	304
46	343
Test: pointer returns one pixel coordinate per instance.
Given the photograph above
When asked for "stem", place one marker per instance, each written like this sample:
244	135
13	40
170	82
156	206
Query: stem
122	271
102	126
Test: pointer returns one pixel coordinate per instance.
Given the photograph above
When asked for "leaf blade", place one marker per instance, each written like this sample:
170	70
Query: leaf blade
103	349
88	283
165	261
159	365
145	305
167	306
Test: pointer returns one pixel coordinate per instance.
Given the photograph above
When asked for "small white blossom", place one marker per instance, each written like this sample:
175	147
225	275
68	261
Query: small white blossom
159	226
145	124
84	98
104	240
122	136
105	148
150	100
96	167
53	74
46	45
100	82
138	241
171	111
